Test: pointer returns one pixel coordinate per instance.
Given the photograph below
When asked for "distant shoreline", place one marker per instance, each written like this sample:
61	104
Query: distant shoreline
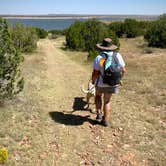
48	17
61	22
140	17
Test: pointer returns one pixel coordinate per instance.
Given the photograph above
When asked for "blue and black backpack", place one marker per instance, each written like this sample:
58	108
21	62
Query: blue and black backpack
112	70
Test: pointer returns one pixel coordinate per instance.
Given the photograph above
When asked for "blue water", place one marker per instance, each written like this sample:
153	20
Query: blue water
50	24
47	24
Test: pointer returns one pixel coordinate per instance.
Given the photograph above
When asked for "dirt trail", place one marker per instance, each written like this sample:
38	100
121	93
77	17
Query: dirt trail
78	139
73	127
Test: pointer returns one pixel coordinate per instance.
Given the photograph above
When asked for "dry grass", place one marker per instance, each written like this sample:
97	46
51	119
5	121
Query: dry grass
140	108
144	100
138	119
22	118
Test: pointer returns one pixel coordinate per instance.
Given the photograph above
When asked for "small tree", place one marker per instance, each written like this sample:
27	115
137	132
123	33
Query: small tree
163	16
24	38
85	35
93	32
11	81
156	34
131	28
41	33
117	27
74	36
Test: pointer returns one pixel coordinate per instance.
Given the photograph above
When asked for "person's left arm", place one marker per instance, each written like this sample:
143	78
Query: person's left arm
123	71
122	63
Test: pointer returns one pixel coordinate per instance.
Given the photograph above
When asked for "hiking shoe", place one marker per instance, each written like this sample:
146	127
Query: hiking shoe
105	123
99	117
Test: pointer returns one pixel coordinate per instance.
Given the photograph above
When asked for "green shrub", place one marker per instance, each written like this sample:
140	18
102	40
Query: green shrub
163	16
156	34
41	33
84	35
11	81
144	25
92	54
74	36
58	32
93	32
131	28
117	27
24	38
114	37
53	34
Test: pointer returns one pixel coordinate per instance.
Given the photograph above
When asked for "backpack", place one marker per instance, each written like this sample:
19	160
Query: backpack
112	70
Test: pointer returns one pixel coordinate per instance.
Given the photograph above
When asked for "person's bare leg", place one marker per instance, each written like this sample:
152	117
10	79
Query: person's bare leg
107	106
98	102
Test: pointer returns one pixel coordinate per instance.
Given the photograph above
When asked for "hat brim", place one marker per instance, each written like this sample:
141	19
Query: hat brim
110	48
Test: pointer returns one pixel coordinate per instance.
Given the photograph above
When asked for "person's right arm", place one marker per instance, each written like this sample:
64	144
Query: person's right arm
96	69
95	74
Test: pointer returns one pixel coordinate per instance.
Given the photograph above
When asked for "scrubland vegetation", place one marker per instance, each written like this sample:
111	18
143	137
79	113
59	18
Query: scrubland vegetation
11	82
84	35
38	128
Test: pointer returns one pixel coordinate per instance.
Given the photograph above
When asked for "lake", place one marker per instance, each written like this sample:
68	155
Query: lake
47	24
59	24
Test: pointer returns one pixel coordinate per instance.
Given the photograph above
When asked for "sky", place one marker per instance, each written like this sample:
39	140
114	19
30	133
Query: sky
110	7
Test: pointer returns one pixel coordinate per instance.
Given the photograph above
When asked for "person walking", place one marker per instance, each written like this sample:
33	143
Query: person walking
105	84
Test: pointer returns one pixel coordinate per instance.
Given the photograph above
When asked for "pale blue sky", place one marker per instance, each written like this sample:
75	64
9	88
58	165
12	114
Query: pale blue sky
83	7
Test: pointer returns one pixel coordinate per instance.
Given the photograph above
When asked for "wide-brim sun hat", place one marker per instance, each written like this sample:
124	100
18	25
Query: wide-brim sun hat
106	45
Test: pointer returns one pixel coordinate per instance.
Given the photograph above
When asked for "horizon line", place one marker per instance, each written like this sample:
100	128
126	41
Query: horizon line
63	14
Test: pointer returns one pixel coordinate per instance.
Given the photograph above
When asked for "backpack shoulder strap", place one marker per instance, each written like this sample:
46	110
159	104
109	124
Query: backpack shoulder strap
114	56
108	61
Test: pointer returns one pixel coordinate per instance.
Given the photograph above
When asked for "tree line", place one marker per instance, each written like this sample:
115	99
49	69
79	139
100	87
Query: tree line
84	35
